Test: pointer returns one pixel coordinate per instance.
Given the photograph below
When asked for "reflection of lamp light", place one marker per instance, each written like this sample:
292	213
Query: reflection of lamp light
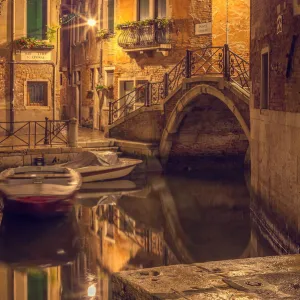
91	22
91	291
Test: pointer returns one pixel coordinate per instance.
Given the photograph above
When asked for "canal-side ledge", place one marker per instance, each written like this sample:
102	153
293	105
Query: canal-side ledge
17	157
254	278
10	158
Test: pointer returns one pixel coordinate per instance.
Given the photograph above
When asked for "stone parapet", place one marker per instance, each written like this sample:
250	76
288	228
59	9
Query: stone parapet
254	278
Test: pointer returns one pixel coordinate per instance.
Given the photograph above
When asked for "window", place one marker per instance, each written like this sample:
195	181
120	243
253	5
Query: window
264	93
37	93
160	9
78	75
111	16
61	79
74	77
37	18
92	79
99	75
143	9
148	9
109	82
91	112
296	5
140	95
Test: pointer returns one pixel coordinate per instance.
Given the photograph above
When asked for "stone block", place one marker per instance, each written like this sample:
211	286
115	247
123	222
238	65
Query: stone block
27	160
11	161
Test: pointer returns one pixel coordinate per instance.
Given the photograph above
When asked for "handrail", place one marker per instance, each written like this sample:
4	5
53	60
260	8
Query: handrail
209	60
34	133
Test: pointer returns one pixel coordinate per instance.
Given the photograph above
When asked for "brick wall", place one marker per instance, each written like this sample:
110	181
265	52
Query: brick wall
275	142
284	93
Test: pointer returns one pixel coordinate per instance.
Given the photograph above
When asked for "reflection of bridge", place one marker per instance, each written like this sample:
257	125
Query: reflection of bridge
229	230
194	84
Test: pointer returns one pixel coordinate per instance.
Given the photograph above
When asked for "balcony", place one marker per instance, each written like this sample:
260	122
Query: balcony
146	37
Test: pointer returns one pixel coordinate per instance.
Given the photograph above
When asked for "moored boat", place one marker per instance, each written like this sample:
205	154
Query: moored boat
99	166
39	191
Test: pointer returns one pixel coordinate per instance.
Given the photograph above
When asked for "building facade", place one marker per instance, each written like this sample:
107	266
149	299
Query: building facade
275	107
135	42
29	60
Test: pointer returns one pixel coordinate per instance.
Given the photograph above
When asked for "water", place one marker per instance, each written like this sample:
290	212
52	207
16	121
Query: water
160	221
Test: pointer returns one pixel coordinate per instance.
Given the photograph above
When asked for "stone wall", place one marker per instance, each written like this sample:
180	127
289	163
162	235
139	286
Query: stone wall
238	25
145	126
275	131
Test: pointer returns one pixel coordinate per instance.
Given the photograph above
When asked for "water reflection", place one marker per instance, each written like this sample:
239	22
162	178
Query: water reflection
125	226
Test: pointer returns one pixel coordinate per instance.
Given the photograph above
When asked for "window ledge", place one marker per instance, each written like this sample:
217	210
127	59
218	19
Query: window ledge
40	107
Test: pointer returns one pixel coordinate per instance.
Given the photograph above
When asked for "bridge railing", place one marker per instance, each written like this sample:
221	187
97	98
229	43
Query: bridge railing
209	60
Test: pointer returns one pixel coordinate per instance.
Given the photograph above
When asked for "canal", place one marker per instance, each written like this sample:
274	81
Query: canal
138	222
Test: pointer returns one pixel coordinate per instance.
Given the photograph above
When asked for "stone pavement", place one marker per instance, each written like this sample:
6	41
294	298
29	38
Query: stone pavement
255	278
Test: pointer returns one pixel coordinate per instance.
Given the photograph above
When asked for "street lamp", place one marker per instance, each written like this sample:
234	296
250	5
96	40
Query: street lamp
69	17
91	22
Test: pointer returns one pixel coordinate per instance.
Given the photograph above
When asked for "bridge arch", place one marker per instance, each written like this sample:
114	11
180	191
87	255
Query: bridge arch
185	105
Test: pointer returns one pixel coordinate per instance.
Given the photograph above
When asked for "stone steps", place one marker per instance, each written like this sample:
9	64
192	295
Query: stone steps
96	144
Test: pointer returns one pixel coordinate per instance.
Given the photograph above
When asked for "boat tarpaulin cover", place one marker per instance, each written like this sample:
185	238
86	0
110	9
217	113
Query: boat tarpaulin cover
93	158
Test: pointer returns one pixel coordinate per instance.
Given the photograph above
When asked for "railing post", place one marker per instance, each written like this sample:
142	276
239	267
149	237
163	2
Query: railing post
147	95
188	64
166	85
46	139
226	62
73	133
110	113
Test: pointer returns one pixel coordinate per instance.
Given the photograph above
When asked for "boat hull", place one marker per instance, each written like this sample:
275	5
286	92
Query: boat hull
105	174
43	209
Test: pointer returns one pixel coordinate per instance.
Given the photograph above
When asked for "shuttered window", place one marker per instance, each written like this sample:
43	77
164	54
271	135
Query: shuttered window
37	19
160	9
37	93
111	16
143	10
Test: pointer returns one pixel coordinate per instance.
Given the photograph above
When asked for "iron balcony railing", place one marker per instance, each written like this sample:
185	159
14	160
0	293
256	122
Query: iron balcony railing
146	36
209	60
31	134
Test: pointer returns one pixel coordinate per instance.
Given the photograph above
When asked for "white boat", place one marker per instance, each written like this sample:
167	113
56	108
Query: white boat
99	166
39	190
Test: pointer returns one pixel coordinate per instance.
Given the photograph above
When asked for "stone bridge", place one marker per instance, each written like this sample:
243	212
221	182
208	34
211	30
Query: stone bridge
204	116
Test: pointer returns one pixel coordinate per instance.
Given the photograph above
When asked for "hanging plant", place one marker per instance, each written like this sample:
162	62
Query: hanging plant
104	88
51	32
103	34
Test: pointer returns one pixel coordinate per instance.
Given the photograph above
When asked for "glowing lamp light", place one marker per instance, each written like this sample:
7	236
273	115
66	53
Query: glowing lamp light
91	22
91	291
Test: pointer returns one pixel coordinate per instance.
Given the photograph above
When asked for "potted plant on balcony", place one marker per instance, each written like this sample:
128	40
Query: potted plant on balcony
33	43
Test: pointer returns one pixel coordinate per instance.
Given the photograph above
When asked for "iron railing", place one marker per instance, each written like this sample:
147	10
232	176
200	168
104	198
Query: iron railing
30	134
151	35
209	60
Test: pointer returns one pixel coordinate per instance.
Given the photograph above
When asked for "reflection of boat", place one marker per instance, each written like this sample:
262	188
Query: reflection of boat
114	187
106	192
97	166
26	242
39	190
103	200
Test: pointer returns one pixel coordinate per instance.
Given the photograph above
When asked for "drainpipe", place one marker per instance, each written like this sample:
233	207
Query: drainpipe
54	77
227	22
12	70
